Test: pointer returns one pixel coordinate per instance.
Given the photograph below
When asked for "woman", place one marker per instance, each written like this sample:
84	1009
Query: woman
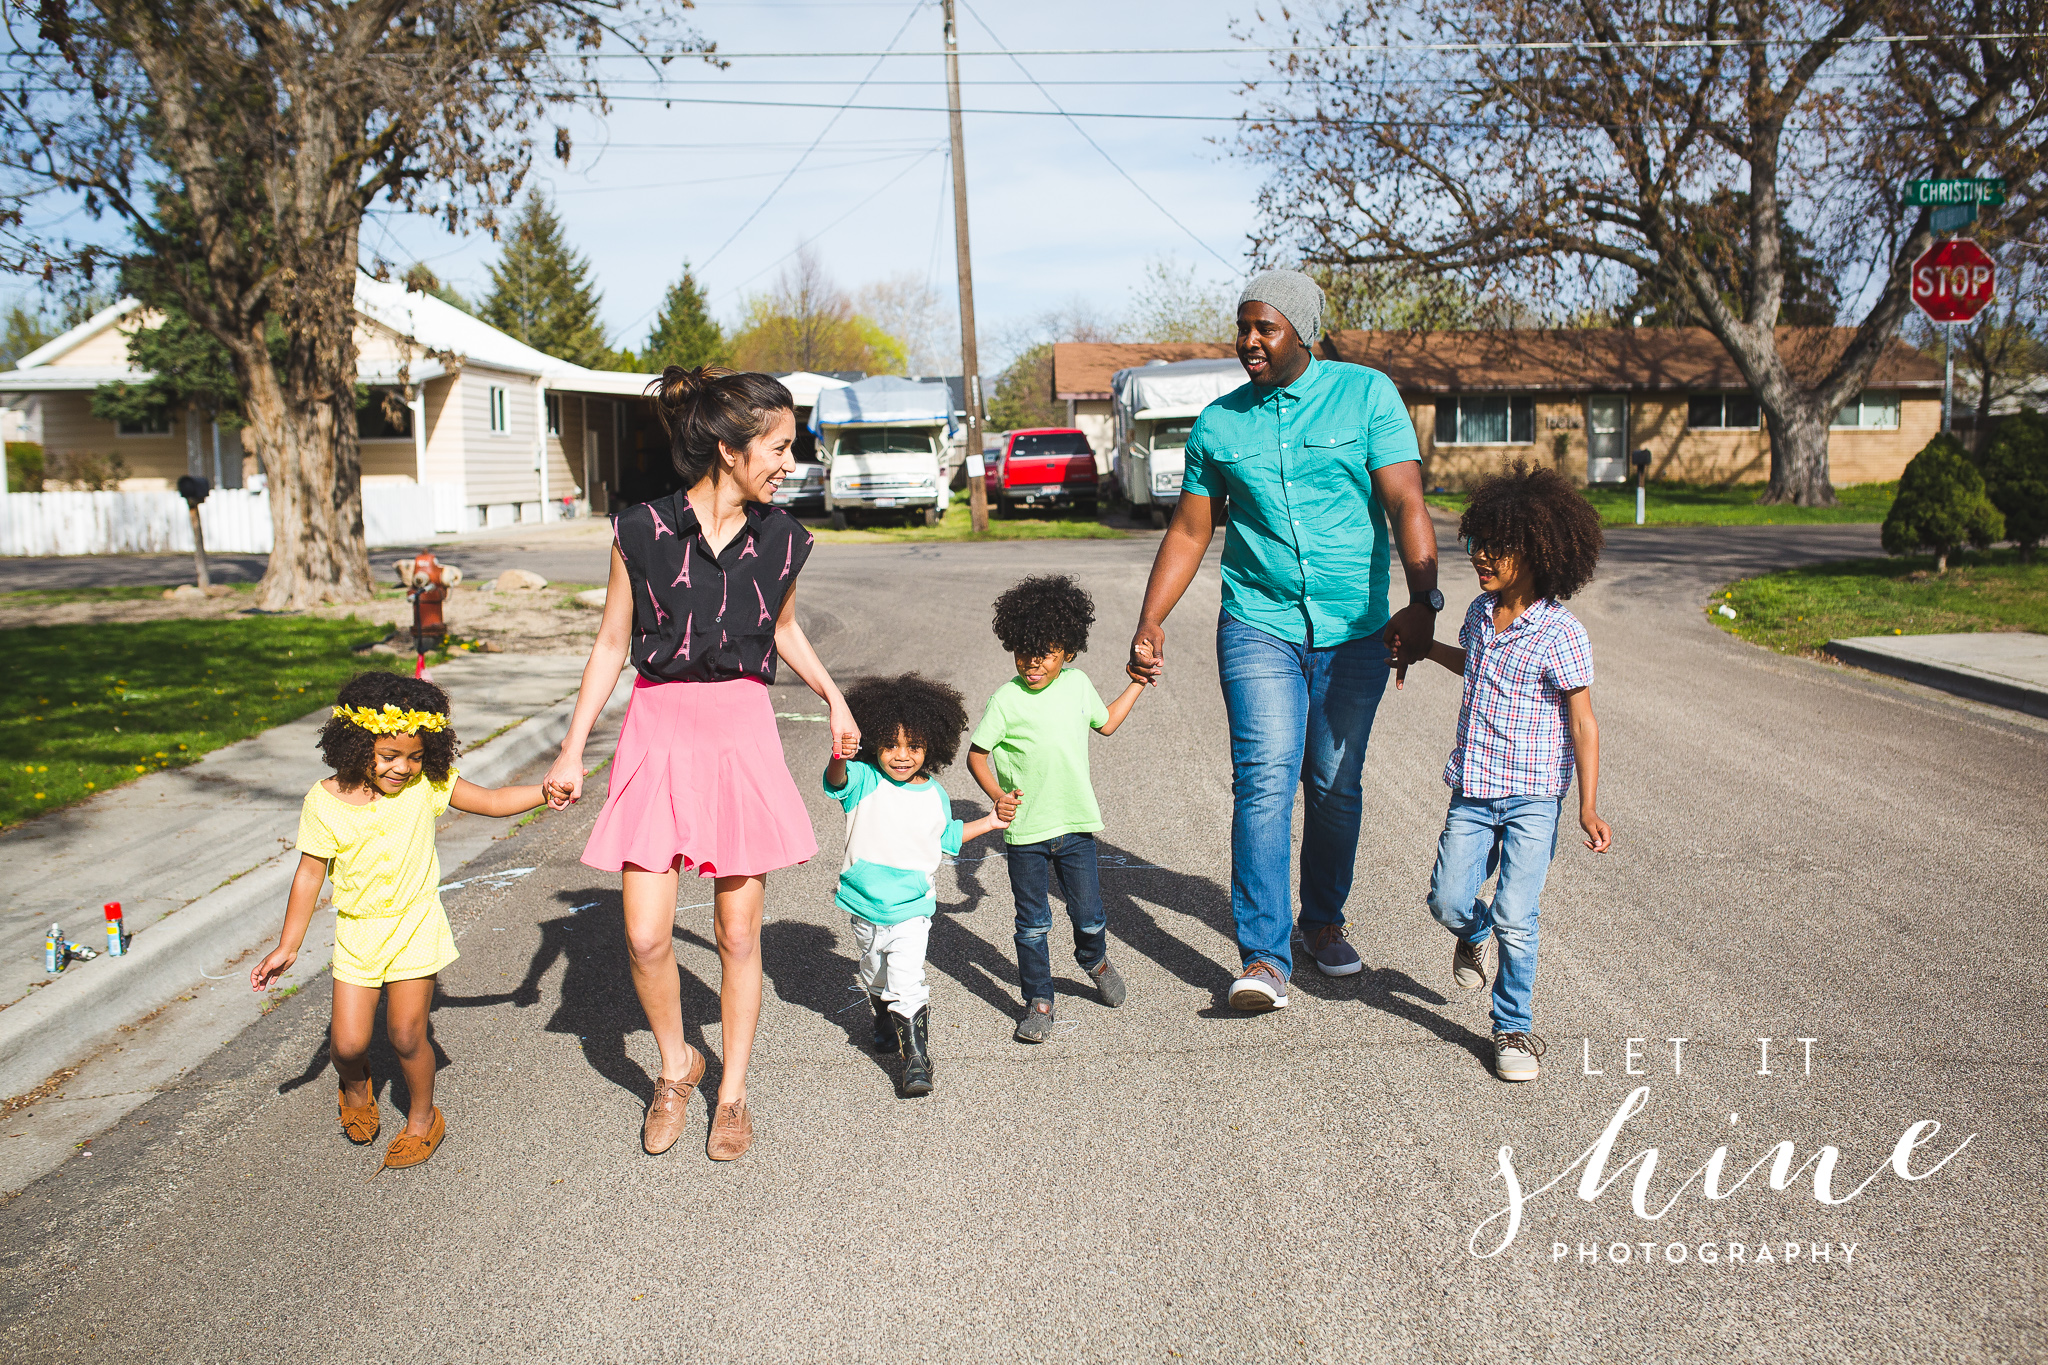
702	596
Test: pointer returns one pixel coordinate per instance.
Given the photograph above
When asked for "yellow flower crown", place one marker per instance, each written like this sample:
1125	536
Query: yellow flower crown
392	721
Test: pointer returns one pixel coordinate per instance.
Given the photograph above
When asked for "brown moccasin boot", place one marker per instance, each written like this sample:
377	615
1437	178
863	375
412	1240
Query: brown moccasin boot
732	1132
361	1124
407	1150
670	1105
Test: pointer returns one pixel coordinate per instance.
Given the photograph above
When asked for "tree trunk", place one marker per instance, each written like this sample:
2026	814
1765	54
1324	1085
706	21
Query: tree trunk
1799	457
302	421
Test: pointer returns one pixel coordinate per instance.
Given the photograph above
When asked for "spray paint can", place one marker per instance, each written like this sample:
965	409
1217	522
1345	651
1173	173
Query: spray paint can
53	950
117	937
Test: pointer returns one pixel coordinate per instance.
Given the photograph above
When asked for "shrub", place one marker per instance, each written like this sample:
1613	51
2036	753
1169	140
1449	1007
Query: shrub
1941	505
84	471
2016	479
24	467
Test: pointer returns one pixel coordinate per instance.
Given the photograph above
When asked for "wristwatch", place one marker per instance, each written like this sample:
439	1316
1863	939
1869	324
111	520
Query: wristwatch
1432	599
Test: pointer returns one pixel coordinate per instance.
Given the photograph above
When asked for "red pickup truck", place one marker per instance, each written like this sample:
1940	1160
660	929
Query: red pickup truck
1045	467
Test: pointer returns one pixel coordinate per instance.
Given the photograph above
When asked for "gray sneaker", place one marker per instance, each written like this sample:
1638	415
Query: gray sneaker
1109	983
1258	989
1468	964
1036	1025
1333	956
1515	1054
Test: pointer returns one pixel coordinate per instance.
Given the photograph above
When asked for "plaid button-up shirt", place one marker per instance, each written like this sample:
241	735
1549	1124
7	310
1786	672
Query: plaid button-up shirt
1513	738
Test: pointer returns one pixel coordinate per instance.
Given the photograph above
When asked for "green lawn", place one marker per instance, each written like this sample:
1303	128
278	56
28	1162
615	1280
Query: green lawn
88	707
1799	610
955	525
1697	504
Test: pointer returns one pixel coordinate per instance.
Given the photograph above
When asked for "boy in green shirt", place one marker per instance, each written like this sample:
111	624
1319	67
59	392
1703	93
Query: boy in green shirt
1032	747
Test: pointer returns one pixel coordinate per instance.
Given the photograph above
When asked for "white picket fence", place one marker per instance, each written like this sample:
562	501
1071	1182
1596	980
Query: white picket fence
235	520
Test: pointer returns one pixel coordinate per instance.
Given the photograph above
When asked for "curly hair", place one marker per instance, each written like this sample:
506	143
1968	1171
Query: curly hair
1044	613
352	751
1539	517
926	713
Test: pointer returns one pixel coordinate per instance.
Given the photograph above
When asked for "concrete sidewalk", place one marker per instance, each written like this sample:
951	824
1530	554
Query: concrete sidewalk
2001	668
210	847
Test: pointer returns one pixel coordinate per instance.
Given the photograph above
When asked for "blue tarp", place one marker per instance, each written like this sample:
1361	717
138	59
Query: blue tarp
883	401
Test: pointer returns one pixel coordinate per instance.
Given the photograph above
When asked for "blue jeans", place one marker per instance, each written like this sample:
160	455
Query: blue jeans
1516	835
1071	859
1298	717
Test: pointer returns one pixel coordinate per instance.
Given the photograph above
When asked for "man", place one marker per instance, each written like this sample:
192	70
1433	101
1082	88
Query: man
1318	463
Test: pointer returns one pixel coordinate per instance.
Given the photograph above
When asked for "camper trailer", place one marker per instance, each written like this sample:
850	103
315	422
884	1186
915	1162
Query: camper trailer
1156	406
881	441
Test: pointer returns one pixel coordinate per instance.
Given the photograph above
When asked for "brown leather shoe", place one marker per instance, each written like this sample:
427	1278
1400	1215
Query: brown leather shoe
732	1132
360	1123
407	1150
668	1108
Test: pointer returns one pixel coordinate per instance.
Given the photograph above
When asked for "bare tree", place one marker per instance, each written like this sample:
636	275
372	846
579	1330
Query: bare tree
911	311
242	142
1559	152
2003	353
807	322
1174	303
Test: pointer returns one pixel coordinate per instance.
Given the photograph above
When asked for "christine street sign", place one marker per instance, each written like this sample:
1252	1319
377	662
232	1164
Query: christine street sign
1942	194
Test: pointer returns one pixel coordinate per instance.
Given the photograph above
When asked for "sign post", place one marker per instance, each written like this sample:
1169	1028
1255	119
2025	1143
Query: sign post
1952	282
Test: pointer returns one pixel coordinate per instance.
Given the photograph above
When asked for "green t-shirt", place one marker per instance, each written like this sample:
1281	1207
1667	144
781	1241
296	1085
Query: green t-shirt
1038	742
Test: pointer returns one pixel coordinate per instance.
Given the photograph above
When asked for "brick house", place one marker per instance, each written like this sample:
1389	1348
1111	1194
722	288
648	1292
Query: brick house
1583	399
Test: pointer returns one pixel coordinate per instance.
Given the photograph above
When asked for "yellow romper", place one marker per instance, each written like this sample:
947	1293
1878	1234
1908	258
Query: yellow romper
386	872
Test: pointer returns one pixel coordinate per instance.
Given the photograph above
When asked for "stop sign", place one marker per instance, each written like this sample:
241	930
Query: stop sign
1953	281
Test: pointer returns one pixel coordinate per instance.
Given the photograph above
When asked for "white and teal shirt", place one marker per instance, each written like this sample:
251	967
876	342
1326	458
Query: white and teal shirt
897	833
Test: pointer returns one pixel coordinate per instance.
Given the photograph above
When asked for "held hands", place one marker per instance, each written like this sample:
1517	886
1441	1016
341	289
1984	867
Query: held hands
564	783
271	968
845	734
1148	655
1409	636
1006	808
1598	835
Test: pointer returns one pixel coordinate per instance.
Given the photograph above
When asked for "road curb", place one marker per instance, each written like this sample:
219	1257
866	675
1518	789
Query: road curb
1957	680
85	1008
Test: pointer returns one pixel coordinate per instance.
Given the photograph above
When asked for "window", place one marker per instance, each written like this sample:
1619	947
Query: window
1708	410
1871	410
554	414
884	440
1469	420
1051	443
155	426
497	408
1172	435
374	416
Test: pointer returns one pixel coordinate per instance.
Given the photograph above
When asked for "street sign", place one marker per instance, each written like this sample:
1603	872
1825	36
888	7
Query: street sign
1952	193
1953	280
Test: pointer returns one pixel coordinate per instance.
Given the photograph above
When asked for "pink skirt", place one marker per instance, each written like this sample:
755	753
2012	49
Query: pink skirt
699	781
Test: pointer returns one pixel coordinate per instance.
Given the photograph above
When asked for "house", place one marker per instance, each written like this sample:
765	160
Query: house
513	434
1081	371
1586	400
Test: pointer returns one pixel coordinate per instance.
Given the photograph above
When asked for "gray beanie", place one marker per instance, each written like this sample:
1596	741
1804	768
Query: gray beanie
1299	299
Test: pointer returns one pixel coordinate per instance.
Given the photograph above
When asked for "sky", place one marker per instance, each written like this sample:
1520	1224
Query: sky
1051	219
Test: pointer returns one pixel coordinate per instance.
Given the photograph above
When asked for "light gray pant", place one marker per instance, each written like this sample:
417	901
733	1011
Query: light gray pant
892	962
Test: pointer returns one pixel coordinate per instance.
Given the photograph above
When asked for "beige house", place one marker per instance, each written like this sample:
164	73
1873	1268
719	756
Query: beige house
501	432
1584	400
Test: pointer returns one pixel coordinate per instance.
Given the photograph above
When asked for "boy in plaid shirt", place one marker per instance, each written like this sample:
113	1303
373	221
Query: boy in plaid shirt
1525	724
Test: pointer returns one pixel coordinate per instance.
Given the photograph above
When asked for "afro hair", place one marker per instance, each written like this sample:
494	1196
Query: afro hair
1045	613
1540	518
926	713
351	750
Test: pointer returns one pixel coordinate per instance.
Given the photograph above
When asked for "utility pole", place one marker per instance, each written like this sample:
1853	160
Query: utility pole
970	360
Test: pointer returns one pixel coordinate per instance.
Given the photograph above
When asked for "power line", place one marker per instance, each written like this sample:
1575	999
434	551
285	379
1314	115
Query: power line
917	6
1113	165
885	185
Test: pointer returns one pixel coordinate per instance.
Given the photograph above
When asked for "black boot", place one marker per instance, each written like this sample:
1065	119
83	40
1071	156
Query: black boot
885	1026
913	1038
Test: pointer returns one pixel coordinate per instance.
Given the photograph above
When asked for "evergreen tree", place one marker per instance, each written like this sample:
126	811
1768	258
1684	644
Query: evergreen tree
2016	479
1023	393
187	368
541	293
1941	505
684	333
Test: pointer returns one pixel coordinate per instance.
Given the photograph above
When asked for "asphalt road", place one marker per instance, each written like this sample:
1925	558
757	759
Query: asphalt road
1802	853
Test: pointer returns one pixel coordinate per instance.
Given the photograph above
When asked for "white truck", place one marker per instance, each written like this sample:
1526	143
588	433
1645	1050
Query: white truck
881	441
1156	406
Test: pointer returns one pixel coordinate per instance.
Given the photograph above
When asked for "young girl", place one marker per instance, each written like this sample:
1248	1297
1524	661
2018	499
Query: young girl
1525	725
702	599
370	827
899	827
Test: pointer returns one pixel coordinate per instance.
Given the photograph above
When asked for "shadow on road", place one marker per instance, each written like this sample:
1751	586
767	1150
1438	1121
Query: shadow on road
384	1069
804	965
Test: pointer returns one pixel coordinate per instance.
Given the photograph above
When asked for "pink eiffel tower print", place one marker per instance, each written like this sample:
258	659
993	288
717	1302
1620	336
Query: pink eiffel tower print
683	578
787	551
659	614
683	649
749	550
765	616
660	526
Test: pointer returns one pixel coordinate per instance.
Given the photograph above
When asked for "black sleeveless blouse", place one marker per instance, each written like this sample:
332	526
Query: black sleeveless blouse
699	617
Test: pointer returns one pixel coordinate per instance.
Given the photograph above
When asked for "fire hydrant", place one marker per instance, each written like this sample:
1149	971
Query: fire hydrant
427	582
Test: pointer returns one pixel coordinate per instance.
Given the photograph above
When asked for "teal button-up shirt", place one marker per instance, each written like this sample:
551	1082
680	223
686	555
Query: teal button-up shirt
1306	554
